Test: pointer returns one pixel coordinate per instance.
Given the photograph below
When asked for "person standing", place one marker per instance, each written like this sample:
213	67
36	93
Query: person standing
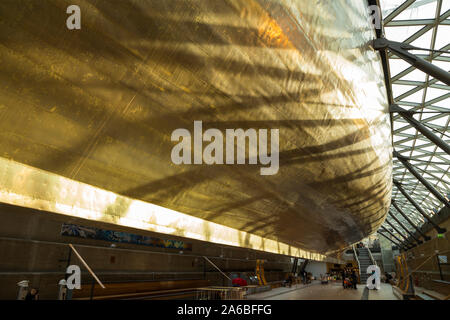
32	295
343	278
290	280
354	279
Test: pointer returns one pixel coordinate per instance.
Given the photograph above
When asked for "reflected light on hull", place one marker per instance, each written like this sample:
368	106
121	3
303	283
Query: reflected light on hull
34	188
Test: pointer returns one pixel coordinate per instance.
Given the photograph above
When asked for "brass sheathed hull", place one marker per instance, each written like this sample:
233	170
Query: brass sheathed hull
98	105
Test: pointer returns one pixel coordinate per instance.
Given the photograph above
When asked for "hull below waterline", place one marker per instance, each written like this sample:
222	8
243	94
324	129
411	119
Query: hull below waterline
98	105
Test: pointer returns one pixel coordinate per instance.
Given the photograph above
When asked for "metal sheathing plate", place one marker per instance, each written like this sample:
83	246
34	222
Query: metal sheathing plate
98	105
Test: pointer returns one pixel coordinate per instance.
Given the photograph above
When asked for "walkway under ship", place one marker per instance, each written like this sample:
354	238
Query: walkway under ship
86	117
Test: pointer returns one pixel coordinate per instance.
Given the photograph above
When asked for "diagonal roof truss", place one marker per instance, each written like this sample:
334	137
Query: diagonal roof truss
424	24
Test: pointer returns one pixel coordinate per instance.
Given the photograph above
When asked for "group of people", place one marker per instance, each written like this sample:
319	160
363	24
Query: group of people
291	279
349	279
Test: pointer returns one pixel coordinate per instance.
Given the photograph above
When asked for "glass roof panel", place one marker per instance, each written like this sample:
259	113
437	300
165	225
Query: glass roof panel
397	66
401	89
433	93
415	75
388	6
401	33
420	9
443	35
445	7
415	97
429	98
423	41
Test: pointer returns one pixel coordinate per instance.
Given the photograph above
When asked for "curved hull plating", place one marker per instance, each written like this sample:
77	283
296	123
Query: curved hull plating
98	105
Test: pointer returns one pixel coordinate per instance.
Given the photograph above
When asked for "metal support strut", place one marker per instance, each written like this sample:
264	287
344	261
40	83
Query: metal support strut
405	247
405	114
401	50
406	241
419	177
409	221
406	229
394	242
416	205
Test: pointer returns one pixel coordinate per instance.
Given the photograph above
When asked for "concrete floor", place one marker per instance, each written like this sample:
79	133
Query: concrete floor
317	291
385	293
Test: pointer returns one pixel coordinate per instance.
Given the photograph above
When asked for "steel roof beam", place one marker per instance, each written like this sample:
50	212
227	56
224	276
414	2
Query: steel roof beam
420	127
409	221
410	69
406	241
407	23
419	177
419	209
405	228
394	242
404	246
401	50
425	56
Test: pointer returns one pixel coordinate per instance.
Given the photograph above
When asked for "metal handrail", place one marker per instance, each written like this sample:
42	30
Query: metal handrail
371	257
86	265
357	260
217	268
